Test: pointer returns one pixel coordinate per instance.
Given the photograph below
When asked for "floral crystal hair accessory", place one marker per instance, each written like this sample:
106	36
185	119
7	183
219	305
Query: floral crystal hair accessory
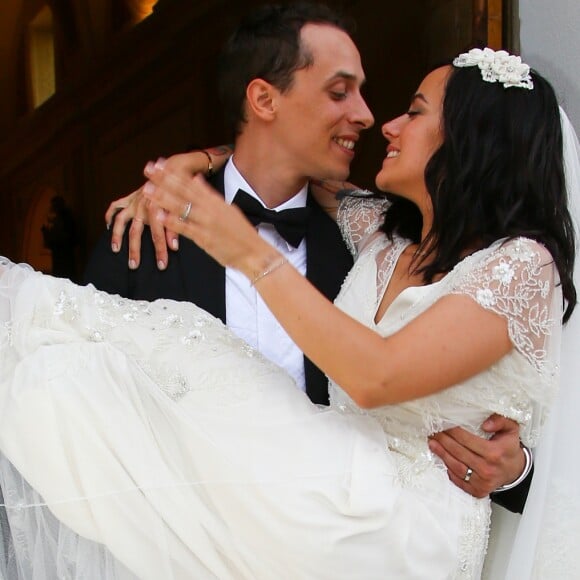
497	66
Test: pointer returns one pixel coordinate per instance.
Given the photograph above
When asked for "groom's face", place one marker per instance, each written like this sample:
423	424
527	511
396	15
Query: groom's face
323	113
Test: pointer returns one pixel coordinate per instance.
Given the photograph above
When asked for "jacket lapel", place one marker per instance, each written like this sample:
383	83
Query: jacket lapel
327	263
328	260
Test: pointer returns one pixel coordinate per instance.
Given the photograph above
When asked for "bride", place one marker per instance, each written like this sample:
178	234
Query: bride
145	440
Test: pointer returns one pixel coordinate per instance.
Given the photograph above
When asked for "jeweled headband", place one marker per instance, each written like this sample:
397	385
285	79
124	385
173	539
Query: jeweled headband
497	66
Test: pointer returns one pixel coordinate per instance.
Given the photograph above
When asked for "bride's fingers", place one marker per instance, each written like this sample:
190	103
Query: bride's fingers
180	200
173	192
185	199
200	213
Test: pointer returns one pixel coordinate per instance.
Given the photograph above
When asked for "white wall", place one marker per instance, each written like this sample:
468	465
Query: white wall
550	43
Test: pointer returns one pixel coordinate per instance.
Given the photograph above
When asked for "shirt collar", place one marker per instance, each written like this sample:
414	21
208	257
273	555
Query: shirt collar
234	180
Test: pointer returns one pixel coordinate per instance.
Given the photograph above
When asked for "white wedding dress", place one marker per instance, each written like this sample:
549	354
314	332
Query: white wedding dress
144	440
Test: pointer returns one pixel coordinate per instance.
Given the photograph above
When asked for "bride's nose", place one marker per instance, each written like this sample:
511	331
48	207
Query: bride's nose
392	128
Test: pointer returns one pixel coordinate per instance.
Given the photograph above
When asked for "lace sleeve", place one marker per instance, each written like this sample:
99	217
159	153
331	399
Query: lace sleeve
359	216
519	281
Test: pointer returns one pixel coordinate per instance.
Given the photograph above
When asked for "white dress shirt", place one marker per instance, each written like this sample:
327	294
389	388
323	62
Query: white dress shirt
246	313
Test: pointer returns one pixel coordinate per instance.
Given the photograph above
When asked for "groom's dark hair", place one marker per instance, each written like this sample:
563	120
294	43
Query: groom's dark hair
267	46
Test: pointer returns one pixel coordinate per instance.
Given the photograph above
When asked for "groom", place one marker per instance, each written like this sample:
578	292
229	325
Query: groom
290	83
304	117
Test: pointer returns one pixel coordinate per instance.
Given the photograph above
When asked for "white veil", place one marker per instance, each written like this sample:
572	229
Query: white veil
547	540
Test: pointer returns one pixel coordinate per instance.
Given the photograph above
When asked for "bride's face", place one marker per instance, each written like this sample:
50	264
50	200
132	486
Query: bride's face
413	138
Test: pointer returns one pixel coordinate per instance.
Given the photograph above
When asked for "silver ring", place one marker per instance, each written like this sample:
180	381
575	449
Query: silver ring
468	474
186	212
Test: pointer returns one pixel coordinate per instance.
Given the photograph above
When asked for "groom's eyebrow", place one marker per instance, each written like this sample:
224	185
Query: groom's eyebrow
342	74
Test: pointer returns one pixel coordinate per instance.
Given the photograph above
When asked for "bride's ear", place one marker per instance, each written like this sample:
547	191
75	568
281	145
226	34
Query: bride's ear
261	99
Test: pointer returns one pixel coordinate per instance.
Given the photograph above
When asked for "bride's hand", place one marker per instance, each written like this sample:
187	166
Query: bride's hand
140	211
195	210
137	210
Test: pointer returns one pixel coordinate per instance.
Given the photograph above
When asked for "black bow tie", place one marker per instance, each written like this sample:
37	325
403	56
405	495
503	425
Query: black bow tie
289	223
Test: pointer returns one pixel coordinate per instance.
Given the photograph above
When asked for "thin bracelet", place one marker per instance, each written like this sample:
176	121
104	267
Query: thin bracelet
527	468
209	172
269	269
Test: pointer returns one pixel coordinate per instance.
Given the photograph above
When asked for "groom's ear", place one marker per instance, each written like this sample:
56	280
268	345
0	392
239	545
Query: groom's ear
261	99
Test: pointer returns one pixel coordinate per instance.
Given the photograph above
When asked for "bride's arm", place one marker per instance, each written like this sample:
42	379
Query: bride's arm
436	350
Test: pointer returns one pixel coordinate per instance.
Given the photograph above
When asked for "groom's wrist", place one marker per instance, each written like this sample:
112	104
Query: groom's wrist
529	462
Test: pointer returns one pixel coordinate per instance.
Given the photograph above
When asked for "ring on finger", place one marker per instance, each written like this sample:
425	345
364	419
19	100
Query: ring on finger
186	212
468	474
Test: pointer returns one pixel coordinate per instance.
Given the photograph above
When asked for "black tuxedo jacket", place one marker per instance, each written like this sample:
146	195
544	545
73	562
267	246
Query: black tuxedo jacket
193	276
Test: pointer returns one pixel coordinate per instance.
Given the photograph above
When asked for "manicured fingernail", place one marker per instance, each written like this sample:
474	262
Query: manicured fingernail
148	188
108	226
161	265
115	247
132	264
175	244
150	167
160	163
160	215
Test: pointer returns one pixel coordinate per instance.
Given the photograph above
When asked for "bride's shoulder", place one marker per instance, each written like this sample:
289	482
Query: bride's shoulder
361	199
521	253
516	250
523	244
511	263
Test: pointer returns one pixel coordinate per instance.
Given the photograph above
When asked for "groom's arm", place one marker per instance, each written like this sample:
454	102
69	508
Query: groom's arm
493	463
515	498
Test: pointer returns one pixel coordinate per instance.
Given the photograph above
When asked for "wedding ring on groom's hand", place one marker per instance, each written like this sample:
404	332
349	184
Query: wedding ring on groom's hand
186	212
468	474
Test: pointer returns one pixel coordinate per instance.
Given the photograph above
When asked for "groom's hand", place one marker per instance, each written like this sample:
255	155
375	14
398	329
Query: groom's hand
480	466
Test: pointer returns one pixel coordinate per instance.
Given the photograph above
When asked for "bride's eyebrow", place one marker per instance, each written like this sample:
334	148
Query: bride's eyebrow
420	97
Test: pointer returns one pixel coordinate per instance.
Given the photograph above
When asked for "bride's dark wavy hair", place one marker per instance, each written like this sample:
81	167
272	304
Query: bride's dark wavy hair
498	174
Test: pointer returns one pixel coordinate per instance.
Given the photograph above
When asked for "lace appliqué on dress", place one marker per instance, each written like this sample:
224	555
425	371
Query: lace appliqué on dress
517	281
359	216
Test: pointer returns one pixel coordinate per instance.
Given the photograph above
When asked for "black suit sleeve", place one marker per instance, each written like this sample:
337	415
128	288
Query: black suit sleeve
328	262
514	499
109	271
